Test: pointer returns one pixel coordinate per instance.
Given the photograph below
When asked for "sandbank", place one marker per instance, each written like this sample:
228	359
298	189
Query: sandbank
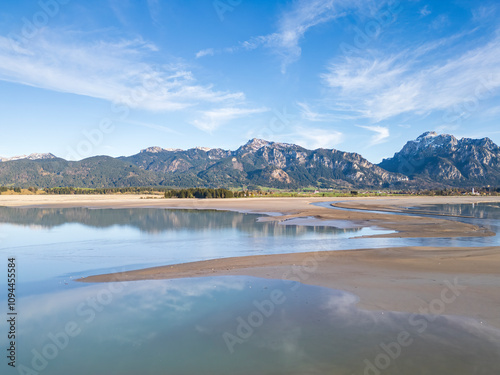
410	279
288	208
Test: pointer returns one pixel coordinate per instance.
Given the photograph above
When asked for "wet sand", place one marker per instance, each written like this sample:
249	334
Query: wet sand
456	281
287	208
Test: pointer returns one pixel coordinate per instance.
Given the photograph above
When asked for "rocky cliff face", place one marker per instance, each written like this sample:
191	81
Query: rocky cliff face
261	162
431	160
444	159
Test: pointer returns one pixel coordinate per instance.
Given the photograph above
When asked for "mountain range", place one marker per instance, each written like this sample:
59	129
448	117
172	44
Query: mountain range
33	156
443	159
431	160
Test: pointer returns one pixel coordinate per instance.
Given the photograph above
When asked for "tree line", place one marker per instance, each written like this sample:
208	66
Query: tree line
203	193
74	190
168	193
250	191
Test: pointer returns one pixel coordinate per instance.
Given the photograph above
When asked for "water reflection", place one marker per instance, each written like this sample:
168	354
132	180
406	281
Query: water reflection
154	220
484	215
490	210
57	243
54	245
181	327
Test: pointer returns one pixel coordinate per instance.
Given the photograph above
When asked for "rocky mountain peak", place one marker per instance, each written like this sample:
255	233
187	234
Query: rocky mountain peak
206	149
434	138
487	143
156	149
427	135
33	156
37	156
429	141
444	159
256	144
430	160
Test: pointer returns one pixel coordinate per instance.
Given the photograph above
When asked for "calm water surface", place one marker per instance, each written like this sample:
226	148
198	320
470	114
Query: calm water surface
55	244
486	215
194	326
223	325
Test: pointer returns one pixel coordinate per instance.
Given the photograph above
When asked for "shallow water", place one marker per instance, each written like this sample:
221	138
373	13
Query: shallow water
240	325
485	215
194	326
56	244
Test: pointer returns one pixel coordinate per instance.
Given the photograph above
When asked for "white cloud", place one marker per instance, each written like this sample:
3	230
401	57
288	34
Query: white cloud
321	113
118	10
446	128
115	71
306	14
413	81
310	115
154	11
161	128
296	21
491	112
361	75
381	134
484	13
205	52
210	120
442	21
313	138
305	136
425	11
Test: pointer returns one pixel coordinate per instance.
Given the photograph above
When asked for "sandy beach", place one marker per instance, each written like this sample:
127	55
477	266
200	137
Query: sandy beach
456	281
410	279
287	208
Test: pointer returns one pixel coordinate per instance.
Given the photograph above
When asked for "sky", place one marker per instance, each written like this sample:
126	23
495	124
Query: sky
111	77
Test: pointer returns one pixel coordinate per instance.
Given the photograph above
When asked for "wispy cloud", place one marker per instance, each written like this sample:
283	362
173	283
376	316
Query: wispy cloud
318	138
210	120
205	52
118	8
442	21
484	13
161	128
413	81
309	114
321	113
154	11
313	138
117	71
424	12
381	134
491	112
446	128
293	25
359	75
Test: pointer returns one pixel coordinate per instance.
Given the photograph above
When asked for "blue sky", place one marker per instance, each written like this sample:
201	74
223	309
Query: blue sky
81	78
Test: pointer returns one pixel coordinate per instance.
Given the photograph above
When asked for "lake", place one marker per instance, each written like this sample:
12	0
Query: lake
220	325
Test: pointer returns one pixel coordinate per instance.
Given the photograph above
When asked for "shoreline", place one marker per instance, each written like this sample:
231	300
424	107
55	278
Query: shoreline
402	226
406	279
